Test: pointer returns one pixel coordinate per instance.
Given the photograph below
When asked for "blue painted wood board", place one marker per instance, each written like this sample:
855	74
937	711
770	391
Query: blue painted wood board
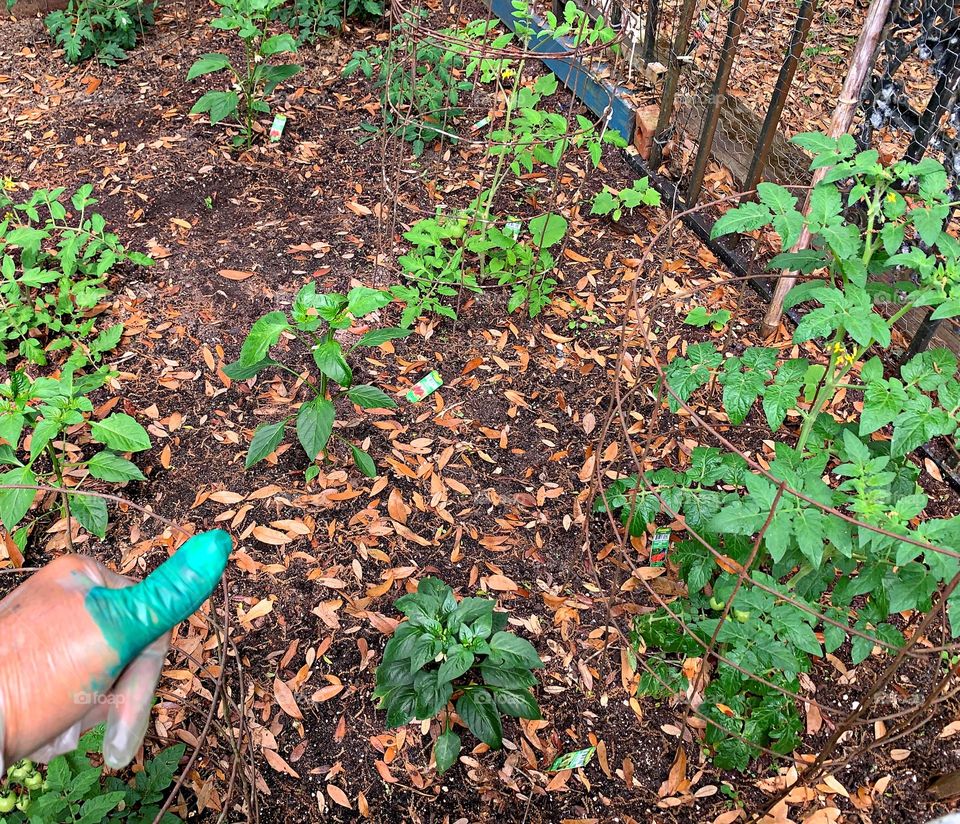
596	93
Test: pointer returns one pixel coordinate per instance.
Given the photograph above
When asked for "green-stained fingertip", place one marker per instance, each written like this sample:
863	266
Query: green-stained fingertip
134	617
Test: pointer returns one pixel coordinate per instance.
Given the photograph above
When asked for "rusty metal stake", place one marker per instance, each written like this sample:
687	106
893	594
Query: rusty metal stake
650	38
788	70
673	77
717	94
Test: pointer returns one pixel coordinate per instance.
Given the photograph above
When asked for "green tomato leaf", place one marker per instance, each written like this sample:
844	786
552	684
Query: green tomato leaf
547	230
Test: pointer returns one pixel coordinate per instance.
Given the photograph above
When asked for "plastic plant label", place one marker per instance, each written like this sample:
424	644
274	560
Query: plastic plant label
427	385
659	547
572	760
276	130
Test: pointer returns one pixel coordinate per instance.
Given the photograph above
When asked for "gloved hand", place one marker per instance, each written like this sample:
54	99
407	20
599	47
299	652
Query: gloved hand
80	644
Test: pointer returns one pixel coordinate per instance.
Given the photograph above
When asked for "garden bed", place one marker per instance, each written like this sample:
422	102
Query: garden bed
483	484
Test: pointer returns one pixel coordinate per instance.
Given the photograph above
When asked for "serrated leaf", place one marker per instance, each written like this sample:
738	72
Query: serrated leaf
744	218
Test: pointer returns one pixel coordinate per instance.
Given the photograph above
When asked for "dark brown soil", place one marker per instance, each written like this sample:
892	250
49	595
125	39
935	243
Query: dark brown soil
489	468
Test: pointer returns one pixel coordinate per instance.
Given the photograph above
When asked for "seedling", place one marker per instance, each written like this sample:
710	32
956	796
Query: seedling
612	202
449	651
699	316
314	321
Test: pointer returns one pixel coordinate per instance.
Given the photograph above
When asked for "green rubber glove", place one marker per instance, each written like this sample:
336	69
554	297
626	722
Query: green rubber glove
80	645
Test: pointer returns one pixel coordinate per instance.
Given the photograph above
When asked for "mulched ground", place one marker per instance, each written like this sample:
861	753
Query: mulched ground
482	485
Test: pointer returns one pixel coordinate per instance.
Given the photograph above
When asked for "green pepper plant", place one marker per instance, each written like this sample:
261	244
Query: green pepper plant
314	320
256	77
455	651
818	579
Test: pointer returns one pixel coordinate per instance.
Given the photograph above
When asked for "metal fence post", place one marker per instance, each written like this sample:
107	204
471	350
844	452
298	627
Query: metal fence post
717	93
788	70
673	77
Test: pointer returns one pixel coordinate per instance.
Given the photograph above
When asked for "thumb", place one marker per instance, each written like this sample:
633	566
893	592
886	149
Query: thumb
134	617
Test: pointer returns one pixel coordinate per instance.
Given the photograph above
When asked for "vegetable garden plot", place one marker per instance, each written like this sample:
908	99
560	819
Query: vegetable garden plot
302	288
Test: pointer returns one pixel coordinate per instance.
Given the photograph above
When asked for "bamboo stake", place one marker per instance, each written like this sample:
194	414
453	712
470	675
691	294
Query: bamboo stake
860	65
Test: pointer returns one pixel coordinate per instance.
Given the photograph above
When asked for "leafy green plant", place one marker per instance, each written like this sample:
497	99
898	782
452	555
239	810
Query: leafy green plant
74	789
256	77
700	316
576	25
449	254
41	423
52	271
612	202
423	80
105	29
455	651
313	19
314	320
817	579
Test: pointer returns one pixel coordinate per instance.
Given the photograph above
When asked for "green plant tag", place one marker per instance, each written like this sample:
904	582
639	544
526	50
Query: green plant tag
427	385
572	760
276	129
659	547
